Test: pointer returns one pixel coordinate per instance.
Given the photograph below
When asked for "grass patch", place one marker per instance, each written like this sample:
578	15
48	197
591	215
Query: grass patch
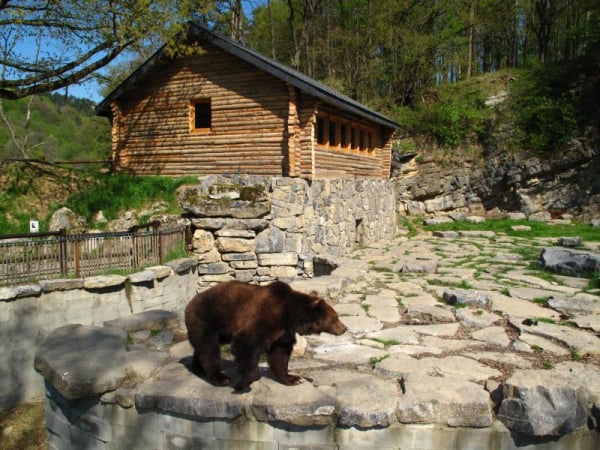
366	307
543	301
547	365
23	427
381	269
377	359
545	320
575	355
463	284
385	342
538	229
411	226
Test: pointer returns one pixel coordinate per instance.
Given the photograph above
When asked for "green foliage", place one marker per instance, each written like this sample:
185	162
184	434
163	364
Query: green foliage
538	229
60	129
543	110
451	115
112	193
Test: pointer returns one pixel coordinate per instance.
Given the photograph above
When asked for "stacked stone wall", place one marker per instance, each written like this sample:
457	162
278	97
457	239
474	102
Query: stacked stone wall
278	235
28	313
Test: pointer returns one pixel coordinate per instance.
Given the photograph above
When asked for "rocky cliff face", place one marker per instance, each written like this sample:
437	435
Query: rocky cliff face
497	182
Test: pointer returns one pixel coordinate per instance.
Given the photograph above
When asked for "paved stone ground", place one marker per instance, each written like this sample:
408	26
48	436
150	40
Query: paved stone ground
509	322
454	330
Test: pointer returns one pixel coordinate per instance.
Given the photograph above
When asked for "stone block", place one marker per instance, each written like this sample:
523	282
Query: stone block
61	284
240	265
216	268
229	257
278	259
283	272
14	292
234	233
271	240
104	282
203	241
244	275
235	245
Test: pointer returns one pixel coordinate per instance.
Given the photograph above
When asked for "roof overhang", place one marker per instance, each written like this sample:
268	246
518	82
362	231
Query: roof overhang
280	71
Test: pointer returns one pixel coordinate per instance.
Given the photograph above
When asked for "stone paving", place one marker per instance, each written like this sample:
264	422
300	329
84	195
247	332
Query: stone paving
457	319
450	330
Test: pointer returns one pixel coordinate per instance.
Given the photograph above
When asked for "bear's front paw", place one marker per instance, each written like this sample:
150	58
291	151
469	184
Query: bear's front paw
292	380
241	387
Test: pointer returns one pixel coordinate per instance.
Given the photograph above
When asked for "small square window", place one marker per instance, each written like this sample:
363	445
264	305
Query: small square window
201	114
321	131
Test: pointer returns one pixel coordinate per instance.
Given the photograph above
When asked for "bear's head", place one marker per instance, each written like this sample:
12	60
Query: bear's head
323	318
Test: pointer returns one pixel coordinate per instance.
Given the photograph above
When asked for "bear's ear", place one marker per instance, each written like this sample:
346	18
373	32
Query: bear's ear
316	302
313	293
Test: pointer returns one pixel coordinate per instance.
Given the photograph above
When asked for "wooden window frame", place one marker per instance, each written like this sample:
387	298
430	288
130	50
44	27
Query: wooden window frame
358	139
193	106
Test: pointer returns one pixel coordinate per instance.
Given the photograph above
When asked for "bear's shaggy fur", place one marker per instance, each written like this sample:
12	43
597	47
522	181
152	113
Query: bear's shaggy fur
254	319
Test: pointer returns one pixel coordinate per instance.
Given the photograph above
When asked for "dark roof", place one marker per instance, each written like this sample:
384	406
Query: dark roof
291	76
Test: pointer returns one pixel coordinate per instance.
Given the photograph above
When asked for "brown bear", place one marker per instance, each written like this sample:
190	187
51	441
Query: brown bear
254	319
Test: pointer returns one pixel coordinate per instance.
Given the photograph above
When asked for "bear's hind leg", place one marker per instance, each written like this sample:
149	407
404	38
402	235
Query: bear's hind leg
278	358
207	357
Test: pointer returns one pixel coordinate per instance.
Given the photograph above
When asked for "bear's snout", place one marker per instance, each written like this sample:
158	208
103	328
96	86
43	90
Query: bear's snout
338	328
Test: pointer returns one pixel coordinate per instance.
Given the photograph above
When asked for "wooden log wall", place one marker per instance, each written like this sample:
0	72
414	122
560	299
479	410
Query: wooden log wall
249	119
321	162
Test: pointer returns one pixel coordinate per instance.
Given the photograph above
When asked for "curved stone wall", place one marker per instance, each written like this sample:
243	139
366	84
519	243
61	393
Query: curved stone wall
28	313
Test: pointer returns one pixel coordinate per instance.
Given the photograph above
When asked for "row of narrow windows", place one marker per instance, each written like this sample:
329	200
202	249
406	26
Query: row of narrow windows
336	133
331	132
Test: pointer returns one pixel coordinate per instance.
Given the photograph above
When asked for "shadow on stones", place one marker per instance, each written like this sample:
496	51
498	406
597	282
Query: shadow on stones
524	440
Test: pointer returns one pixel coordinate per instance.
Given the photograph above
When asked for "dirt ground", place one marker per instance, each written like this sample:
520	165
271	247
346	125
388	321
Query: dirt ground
23	427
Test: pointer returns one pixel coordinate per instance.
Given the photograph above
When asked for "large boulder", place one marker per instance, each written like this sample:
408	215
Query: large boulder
81	361
569	261
543	403
236	201
66	219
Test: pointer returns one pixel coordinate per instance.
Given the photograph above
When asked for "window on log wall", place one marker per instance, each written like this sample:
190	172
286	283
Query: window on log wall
200	114
335	133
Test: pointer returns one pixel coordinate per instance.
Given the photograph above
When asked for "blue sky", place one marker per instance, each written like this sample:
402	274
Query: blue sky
91	89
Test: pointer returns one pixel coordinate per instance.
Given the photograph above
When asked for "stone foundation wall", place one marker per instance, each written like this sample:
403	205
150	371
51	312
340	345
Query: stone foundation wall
94	424
287	222
28	313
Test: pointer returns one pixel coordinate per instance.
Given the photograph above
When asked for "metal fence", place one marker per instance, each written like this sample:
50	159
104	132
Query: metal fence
29	257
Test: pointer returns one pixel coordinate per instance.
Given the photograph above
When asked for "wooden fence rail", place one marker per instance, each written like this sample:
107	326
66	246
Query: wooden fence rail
29	257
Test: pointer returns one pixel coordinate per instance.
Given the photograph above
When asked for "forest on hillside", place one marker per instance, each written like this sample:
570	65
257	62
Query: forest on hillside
428	64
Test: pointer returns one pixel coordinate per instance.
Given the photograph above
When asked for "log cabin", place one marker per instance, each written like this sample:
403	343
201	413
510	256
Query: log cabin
228	109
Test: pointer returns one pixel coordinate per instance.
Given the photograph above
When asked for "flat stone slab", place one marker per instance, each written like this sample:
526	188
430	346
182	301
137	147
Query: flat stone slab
476	318
364	400
578	304
398	335
409	368
538	342
572	338
521	309
178	391
493	336
348	353
301	405
82	360
449	401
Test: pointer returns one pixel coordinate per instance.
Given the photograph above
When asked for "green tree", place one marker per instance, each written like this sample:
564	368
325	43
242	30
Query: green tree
77	38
